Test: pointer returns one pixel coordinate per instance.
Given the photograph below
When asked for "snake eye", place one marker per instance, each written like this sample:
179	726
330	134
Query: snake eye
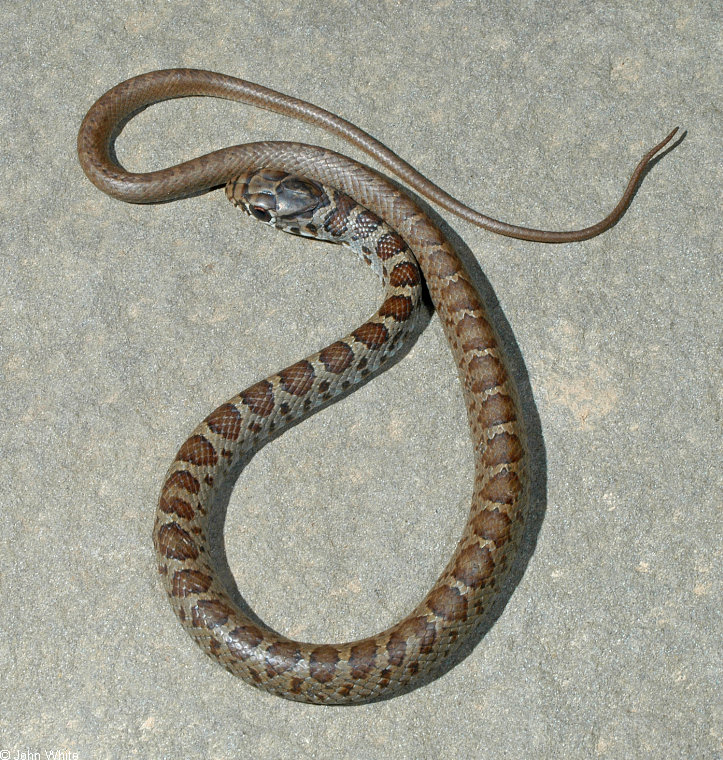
260	213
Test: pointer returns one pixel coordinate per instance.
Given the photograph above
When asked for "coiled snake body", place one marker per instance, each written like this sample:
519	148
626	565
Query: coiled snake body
318	193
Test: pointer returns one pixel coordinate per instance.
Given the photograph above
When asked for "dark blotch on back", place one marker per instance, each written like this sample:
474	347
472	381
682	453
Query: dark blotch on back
496	410
364	225
187	582
459	295
298	378
225	421
475	333
362	658
420	630
209	613
485	372
504	448
197	450
503	488
474	565
175	505
175	543
446	602
404	273
492	525
336	224
390	245
337	357
281	656
182	479
242	640
398	308
322	663
259	398
371	334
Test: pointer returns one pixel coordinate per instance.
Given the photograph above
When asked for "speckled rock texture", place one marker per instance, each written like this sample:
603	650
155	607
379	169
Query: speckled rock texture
122	326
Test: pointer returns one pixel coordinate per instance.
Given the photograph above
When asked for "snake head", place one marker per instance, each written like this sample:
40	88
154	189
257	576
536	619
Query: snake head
279	199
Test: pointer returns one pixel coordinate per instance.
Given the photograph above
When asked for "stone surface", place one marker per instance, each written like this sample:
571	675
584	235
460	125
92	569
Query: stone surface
122	326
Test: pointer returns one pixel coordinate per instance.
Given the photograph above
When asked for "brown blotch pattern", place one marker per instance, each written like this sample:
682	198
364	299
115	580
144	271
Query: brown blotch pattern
182	479
424	630
187	582
390	245
459	294
496	410
243	639
281	656
323	673
225	421
475	333
398	308
371	334
396	648
446	602
259	398
337	223
295	684
474	566
362	658
425	233
364	225
298	378
421	630
404	274
209	613
384	678
485	372
175	543
199	451
503	488
322	663
174	505
336	357
504	448
492	525
443	264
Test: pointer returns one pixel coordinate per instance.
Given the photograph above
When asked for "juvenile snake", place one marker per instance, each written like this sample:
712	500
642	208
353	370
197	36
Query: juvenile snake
318	193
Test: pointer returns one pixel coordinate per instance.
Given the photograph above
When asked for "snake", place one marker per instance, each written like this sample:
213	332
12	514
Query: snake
317	193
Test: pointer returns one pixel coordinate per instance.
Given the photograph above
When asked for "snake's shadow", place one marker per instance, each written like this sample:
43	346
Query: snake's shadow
536	468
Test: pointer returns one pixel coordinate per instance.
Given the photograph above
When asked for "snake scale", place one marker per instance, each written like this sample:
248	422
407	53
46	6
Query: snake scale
318	193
